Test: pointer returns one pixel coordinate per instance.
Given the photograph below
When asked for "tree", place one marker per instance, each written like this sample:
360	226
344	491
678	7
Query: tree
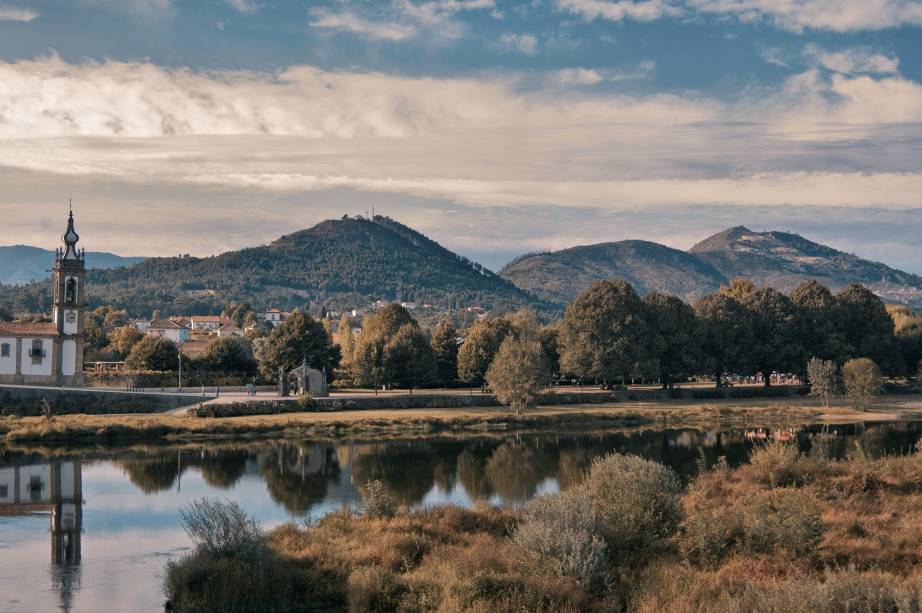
726	334
816	323
516	373
346	340
862	380
5	313
298	339
230	354
549	338
94	338
241	314
154	353
409	360
824	379
125	338
679	340
867	327
775	346
604	334
480	345
445	346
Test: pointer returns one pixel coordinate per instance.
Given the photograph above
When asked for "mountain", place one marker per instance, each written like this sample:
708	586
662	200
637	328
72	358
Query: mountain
562	275
777	259
20	264
341	263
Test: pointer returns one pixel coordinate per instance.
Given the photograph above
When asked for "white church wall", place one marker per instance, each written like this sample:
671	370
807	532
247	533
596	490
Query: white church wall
70	321
42	368
69	358
8	363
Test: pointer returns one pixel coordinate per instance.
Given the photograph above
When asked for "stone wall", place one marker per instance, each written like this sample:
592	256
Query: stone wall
28	401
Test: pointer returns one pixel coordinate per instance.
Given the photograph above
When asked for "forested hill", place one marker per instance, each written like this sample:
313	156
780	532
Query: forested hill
777	259
339	263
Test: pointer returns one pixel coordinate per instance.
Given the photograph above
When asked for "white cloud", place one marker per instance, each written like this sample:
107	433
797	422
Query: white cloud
347	21
522	43
834	15
618	10
589	76
854	61
247	7
12	13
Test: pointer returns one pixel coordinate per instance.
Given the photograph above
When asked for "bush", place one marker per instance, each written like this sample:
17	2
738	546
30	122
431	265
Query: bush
638	503
222	528
559	536
776	464
373	589
824	379
785	519
862	380
378	503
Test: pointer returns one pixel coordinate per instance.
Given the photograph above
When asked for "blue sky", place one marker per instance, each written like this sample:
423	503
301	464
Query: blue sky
495	127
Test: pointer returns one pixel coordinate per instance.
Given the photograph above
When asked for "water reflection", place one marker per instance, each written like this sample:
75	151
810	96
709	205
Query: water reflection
135	495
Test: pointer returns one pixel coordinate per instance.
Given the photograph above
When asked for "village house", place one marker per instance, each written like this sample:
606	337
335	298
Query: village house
177	330
273	317
51	353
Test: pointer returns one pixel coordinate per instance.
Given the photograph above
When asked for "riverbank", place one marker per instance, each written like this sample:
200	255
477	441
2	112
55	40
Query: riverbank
121	429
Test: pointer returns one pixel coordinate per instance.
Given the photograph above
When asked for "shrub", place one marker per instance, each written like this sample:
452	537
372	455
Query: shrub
824	379
638	503
785	519
378	503
220	527
372	588
776	463
862	380
559	536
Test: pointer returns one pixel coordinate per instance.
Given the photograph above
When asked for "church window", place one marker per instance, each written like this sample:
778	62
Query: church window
37	353
5	350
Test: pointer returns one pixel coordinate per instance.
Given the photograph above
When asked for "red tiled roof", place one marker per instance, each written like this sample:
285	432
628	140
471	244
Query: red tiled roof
22	328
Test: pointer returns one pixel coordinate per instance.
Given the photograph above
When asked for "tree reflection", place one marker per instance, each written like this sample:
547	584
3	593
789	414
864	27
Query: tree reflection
515	469
156	473
223	469
472	473
297	478
406	470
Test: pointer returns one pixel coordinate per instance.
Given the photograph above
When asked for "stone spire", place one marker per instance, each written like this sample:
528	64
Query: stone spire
70	239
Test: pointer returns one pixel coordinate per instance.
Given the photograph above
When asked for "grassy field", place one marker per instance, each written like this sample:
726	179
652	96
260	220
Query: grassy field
784	533
87	429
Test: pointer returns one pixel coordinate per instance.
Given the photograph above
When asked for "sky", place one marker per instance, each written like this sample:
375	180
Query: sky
495	127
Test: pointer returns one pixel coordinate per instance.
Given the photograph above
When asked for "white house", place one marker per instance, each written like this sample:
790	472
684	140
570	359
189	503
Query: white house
176	331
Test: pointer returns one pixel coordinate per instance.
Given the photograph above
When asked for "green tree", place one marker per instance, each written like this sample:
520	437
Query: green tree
868	328
862	380
93	336
409	360
154	353
775	345
230	354
824	379
516	373
5	313
445	346
298	339
549	338
605	335
240	313
816	323
679	343
125	338
726	334
480	345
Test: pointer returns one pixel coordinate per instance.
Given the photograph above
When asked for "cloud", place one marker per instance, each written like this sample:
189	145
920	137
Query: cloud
248	7
347	21
618	10
589	76
482	149
522	43
854	61
12	13
834	15
143	8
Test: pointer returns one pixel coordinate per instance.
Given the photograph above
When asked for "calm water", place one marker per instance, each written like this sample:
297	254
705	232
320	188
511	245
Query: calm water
92	533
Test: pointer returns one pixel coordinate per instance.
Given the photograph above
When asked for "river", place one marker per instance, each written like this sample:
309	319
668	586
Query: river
91	530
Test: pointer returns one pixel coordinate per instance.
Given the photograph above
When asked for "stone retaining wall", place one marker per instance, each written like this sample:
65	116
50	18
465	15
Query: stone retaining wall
25	401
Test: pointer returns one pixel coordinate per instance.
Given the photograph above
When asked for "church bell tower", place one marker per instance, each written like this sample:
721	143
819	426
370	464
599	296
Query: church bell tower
69	304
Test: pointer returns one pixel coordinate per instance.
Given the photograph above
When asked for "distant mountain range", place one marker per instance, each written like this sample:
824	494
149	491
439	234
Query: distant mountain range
340	263
351	262
777	259
20	264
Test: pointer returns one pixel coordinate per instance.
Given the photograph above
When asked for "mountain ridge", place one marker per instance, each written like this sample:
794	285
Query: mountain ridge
21	264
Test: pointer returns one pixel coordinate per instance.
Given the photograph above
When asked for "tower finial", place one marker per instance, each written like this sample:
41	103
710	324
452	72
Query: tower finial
70	237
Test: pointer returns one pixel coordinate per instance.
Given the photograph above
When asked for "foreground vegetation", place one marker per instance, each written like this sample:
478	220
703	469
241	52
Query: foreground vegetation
785	532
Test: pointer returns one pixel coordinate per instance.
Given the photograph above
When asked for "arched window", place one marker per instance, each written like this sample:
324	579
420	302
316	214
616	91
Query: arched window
70	292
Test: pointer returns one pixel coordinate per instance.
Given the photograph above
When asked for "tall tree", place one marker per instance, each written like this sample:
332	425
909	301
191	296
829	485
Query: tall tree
775	345
481	343
297	339
816	323
604	334
346	340
392	350
125	338
409	360
230	354
679	338
726	334
867	328
155	353
549	338
862	381
516	374
824	379
445	345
